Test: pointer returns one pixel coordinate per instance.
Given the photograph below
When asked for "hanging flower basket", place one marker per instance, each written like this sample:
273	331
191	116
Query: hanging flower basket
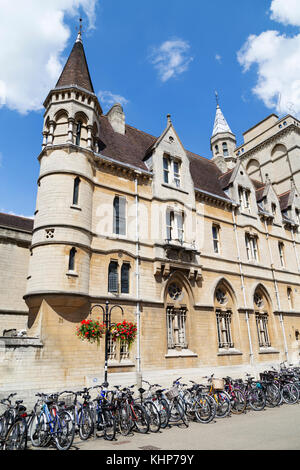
124	332
90	330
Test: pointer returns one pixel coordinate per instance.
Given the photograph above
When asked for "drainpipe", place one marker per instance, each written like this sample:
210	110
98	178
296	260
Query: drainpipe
295	248
137	277
243	285
276	292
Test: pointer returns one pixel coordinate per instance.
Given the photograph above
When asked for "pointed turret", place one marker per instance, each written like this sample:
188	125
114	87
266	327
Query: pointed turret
222	142
72	107
220	125
76	71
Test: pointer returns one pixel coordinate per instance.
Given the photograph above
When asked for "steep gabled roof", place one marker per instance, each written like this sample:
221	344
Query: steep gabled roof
76	71
132	147
285	200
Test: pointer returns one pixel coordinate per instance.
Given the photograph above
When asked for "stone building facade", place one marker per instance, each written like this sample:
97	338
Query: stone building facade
203	254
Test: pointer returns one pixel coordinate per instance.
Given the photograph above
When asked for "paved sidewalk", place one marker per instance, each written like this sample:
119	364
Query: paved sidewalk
271	429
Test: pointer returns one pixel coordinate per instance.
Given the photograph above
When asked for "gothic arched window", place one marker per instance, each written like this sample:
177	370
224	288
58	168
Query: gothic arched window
223	308
262	319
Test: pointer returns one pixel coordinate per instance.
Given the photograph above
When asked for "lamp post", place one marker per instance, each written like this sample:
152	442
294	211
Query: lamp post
107	322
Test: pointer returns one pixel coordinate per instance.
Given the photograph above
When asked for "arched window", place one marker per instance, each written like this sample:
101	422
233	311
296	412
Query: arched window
113	284
78	132
176	317
253	169
72	255
225	149
76	190
223	308
262	318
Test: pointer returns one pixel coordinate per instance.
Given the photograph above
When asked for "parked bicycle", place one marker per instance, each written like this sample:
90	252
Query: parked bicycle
51	423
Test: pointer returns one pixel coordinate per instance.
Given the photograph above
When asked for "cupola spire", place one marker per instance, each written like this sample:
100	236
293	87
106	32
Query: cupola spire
220	124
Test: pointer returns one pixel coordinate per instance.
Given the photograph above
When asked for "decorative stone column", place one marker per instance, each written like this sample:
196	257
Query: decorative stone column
45	138
70	131
51	133
89	138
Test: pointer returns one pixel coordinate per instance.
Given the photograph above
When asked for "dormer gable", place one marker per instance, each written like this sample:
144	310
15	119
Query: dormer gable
169	162
290	205
268	202
239	187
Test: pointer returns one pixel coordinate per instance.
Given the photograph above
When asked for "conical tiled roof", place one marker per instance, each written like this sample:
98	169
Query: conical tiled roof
221	124
76	71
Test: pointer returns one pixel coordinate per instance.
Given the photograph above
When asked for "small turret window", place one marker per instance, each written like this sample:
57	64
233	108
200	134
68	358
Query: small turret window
78	132
225	149
76	191
72	259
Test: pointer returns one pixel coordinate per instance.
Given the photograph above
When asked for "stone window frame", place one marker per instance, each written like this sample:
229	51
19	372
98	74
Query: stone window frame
223	317
216	228
173	217
251	241
176	327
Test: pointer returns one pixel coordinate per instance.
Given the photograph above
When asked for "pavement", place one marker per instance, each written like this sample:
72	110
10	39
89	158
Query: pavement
271	429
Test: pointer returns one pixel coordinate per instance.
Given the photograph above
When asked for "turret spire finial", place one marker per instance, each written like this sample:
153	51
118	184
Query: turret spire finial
217	98
79	35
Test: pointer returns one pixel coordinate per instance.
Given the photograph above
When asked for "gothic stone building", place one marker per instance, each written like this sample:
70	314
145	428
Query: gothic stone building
203	254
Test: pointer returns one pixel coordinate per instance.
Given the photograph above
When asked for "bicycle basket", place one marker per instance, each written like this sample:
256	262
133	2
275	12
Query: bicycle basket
68	400
218	384
172	393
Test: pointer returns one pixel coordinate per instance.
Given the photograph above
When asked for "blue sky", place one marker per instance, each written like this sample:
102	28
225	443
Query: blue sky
157	57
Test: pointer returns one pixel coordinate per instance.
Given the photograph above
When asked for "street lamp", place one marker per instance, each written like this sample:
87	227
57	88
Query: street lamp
107	322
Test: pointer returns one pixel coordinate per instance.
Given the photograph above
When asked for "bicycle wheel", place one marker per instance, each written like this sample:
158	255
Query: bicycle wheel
124	420
204	410
257	399
273	396
109	424
64	430
39	431
153	414
290	394
3	427
164	412
189	401
238	401
16	437
181	410
223	406
85	423
140	418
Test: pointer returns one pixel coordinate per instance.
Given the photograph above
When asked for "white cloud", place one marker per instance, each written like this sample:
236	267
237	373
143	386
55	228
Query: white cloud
218	58
286	12
276	57
107	98
34	34
171	58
